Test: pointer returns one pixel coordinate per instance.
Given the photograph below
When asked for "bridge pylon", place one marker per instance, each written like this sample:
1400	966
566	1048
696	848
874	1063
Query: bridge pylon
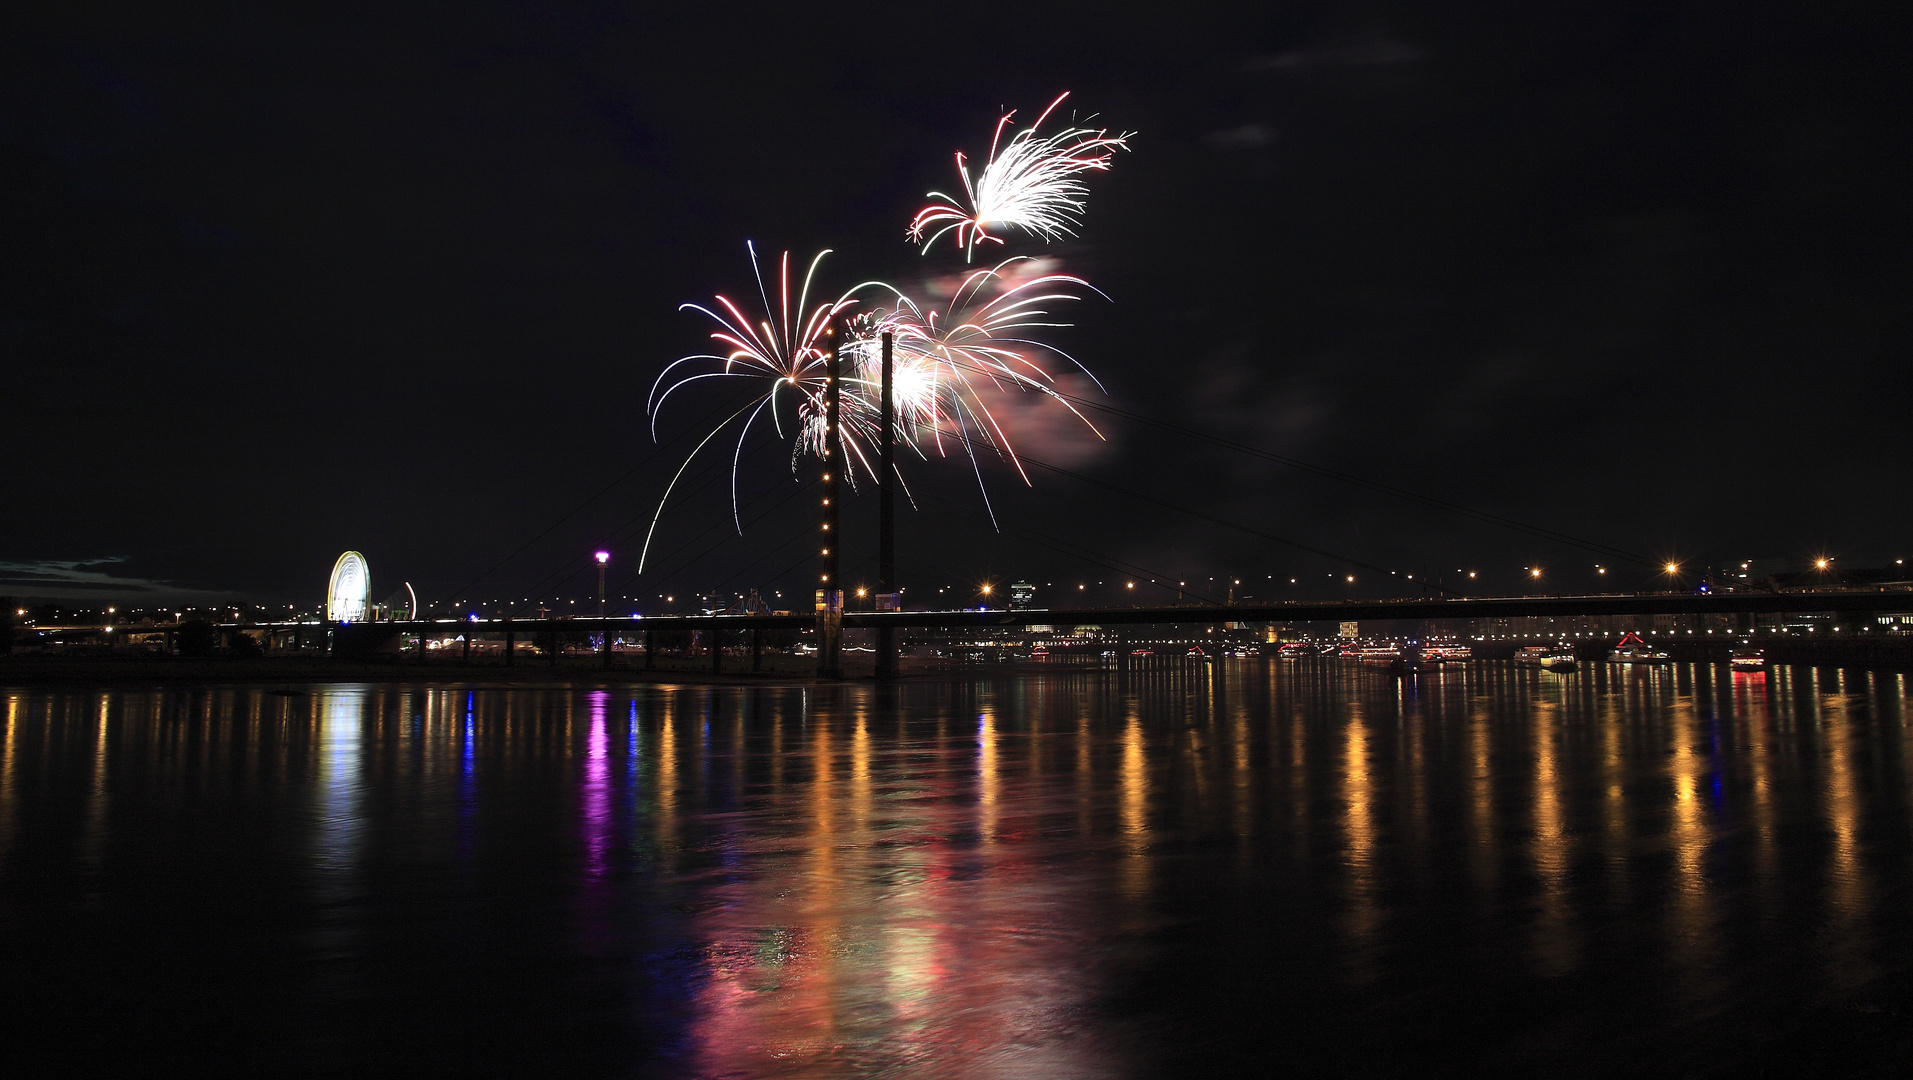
887	518
830	594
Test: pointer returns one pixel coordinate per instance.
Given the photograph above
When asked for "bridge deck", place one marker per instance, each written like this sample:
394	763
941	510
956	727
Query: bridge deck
1850	601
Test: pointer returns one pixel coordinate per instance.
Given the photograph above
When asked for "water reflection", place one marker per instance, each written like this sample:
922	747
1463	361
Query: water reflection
1758	742
9	757
1364	913
1692	930
93	848
339	823
1555	947
1846	942
1066	875
1481	804
596	804
986	778
467	778
667	785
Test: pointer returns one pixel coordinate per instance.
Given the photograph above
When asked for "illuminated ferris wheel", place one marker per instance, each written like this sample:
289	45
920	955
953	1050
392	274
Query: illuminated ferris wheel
351	588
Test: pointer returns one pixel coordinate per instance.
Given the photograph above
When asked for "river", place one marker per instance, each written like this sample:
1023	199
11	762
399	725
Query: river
1237	868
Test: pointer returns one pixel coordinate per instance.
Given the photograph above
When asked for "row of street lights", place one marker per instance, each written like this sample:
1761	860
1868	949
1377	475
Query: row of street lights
1671	570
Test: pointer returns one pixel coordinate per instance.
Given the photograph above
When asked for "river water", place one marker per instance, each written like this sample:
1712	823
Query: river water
1239	868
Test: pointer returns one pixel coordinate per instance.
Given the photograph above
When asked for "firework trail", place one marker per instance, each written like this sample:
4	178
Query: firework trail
1029	183
785	351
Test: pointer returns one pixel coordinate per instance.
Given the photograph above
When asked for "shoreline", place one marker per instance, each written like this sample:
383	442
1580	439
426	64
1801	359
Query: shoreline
55	672
33	672
39	672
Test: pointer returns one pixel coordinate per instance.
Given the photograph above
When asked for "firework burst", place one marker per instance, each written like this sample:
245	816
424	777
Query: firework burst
1029	183
948	364
784	351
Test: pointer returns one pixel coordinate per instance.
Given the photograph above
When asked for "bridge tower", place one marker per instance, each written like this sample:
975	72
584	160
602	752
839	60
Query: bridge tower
830	596
887	519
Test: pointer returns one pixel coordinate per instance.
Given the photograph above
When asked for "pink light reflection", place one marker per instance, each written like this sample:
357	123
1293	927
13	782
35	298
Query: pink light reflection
868	942
597	792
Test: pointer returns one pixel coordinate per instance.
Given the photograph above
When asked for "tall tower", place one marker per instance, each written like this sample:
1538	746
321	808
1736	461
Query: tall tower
830	594
887	518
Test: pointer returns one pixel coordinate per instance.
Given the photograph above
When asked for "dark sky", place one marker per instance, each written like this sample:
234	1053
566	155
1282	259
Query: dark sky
285	280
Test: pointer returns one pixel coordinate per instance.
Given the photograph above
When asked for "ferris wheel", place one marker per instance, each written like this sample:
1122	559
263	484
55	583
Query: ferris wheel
351	587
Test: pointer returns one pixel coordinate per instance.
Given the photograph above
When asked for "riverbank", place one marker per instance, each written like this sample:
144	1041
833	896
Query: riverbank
155	670
1868	652
38	671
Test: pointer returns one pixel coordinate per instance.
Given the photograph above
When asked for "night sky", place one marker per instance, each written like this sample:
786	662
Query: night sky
281	282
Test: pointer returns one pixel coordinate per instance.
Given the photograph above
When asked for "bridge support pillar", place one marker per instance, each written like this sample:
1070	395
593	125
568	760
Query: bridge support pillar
650	650
604	647
757	649
717	649
465	654
830	636
421	645
511	642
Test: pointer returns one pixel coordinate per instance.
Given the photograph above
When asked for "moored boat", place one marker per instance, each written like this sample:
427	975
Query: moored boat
1547	657
1631	649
